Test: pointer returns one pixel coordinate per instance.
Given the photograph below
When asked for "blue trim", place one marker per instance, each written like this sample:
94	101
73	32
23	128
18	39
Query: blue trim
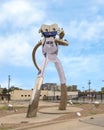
48	34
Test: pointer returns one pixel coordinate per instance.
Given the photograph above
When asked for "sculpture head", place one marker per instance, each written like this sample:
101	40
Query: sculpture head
51	31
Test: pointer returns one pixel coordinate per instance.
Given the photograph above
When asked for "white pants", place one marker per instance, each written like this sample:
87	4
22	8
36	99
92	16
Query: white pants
53	58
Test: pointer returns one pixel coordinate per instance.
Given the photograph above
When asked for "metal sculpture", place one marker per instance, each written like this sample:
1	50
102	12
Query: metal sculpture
49	45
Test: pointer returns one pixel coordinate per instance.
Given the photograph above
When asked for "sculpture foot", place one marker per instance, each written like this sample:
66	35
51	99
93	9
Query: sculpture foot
63	100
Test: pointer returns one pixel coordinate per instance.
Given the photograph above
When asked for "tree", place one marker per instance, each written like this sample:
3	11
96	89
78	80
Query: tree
102	89
12	88
5	91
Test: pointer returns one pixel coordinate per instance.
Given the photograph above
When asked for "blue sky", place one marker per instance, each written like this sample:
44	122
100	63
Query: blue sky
82	60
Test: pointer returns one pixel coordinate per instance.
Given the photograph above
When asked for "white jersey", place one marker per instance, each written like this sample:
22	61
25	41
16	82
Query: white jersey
49	46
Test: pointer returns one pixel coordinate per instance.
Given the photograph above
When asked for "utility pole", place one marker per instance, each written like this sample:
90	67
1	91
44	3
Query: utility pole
102	93
89	83
83	93
8	86
54	93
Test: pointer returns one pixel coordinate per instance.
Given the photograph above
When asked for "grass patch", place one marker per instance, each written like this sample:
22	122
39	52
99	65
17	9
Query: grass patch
14	107
93	113
3	128
3	108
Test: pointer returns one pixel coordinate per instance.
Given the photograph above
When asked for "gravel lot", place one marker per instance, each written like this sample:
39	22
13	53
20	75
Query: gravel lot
21	107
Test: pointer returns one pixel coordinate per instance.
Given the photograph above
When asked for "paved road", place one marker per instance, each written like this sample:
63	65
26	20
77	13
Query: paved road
86	123
68	125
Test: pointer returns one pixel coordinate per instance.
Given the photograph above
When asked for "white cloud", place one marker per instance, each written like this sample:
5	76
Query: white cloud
21	12
86	30
99	2
80	66
15	50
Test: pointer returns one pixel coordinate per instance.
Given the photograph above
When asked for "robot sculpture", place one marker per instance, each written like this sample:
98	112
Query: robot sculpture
49	45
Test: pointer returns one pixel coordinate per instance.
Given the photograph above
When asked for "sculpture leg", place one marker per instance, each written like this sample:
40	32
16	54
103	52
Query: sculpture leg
33	105
63	100
60	71
45	62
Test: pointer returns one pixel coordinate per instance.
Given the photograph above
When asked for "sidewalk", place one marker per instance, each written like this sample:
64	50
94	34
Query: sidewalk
94	120
74	124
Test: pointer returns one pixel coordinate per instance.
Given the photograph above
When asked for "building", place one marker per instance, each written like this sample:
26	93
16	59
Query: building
21	94
49	91
50	86
44	95
72	88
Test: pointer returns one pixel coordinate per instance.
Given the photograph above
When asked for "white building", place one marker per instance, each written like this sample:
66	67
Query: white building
26	94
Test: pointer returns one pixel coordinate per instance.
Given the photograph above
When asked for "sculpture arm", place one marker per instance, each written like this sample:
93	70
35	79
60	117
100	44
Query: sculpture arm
61	42
34	53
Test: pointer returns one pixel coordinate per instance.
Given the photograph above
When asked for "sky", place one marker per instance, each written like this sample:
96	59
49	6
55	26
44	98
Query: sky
82	60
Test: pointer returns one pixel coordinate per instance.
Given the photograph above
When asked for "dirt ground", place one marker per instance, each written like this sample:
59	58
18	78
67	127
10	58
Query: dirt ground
88	109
